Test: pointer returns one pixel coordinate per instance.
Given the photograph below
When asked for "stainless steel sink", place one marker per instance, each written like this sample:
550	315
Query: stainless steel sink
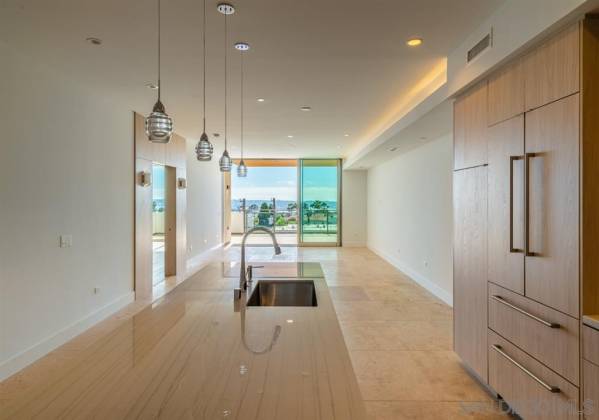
283	293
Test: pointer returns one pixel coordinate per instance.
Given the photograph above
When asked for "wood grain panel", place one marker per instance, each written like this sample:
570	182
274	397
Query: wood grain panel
470	128
526	396
170	222
506	201
181	226
590	344
506	92
552	274
143	231
552	69
590	166
226	207
143	147
591	391
176	152
470	267
557	348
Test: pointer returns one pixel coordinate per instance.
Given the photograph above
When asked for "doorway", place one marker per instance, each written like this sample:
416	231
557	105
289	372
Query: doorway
163	223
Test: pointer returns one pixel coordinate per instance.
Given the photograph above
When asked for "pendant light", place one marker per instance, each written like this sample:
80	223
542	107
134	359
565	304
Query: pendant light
204	149
225	162
159	126
242	170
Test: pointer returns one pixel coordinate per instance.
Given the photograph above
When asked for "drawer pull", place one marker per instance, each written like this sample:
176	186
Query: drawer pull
548	387
523	312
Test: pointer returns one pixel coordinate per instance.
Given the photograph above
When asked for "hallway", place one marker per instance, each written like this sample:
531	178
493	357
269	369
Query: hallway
399	339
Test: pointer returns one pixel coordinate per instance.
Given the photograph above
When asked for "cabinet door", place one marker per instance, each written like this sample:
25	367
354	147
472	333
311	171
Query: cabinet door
470	268
552	70
591	391
552	240
470	128
506	93
506	204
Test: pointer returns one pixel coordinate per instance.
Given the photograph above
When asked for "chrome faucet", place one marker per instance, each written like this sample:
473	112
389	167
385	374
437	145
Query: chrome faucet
245	275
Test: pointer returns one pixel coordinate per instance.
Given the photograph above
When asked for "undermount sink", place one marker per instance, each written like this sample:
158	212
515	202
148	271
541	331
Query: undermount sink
283	293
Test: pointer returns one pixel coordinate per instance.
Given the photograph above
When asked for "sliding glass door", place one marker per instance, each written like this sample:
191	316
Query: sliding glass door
319	202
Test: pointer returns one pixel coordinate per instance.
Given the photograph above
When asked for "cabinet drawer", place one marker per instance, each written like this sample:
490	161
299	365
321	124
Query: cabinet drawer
525	384
591	391
524	323
590	345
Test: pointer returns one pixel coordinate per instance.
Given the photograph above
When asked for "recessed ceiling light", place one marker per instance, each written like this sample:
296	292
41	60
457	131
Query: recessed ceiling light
216	134
290	136
225	8
393	149
260	100
151	86
94	41
414	42
242	46
346	135
290	321
306	108
423	138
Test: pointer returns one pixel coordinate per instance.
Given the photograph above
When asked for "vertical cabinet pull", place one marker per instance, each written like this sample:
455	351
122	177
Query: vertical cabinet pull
541	382
512	159
527	251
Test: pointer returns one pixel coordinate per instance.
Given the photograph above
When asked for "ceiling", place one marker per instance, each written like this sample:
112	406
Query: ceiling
346	59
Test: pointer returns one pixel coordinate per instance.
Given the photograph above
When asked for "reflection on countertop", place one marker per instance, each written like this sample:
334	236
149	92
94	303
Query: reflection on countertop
266	270
192	355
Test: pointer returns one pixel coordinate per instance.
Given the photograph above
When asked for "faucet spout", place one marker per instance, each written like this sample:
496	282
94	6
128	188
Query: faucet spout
243	280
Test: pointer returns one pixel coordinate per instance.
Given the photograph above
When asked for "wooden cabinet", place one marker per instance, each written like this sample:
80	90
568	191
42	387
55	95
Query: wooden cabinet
470	267
524	383
470	128
525	323
591	391
506	204
552	150
552	71
590	344
506	93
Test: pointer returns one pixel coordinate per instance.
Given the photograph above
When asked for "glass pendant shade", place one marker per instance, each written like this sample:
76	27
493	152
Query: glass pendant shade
225	162
242	170
204	149
159	126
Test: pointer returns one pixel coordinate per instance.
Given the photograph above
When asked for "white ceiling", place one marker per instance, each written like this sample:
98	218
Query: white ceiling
347	59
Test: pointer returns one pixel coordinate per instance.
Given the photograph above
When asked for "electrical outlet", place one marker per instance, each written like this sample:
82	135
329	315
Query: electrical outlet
66	241
205	241
426	263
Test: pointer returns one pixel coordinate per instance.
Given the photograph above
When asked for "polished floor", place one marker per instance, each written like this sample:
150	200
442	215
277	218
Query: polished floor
399	339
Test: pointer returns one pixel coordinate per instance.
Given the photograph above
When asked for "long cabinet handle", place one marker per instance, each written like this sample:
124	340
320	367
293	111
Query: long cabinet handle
512	159
544	384
527	158
523	312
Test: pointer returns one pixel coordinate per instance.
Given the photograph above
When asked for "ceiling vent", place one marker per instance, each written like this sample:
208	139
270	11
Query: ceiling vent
480	46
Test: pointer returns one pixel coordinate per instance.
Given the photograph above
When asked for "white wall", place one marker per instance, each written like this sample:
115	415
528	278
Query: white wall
353	198
410	214
66	167
204	204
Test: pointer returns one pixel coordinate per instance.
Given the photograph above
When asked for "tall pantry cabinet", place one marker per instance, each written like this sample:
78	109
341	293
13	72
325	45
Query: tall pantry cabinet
526	235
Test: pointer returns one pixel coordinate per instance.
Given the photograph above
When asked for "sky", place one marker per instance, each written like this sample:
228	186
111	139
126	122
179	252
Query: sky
158	182
264	183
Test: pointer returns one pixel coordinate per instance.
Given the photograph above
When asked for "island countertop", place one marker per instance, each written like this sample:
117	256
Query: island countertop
184	357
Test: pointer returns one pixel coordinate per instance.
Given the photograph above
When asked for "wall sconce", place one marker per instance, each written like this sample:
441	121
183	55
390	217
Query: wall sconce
181	183
145	179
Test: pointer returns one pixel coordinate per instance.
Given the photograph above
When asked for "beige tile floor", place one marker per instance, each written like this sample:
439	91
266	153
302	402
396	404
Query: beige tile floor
398	335
400	338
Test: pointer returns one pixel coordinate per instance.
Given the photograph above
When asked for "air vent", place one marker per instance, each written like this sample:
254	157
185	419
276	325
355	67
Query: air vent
480	46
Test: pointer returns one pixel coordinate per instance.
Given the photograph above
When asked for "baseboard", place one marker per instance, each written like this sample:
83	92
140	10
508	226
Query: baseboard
429	285
198	262
35	352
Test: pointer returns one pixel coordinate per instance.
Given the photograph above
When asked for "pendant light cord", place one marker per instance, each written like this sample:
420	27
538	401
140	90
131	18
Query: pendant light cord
242	105
204	51
225	82
158	50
